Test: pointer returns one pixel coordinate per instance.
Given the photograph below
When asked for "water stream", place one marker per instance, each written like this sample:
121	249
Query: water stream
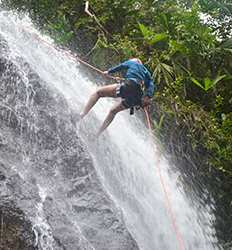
124	157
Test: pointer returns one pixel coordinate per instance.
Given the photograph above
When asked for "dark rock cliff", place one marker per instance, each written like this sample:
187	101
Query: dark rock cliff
50	193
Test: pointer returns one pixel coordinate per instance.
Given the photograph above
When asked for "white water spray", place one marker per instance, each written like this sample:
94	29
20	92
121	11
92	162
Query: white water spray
123	156
41	229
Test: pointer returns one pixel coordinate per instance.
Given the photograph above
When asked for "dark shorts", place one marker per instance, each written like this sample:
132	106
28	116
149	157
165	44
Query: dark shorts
131	93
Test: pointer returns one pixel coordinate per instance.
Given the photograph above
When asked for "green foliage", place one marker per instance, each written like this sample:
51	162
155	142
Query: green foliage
221	11
150	37
158	125
163	72
220	143
208	83
61	30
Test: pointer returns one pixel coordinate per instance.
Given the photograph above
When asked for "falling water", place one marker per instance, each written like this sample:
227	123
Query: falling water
124	157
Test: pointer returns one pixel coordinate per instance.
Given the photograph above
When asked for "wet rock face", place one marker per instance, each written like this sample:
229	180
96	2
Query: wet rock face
15	229
50	194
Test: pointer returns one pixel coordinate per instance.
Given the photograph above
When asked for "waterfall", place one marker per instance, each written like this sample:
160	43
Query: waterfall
124	159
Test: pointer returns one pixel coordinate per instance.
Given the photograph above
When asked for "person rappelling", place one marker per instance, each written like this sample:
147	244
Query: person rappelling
136	78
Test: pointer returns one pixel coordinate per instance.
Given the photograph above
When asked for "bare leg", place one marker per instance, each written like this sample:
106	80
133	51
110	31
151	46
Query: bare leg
117	108
106	91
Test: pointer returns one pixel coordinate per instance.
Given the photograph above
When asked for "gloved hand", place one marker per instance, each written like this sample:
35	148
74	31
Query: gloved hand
146	101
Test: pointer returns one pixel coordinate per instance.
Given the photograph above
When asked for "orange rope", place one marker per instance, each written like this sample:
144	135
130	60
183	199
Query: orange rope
167	198
76	58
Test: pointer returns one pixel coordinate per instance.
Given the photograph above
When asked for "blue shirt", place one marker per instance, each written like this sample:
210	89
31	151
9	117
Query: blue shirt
137	73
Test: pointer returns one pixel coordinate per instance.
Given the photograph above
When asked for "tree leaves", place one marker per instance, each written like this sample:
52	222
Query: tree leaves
163	71
151	37
207	83
176	47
